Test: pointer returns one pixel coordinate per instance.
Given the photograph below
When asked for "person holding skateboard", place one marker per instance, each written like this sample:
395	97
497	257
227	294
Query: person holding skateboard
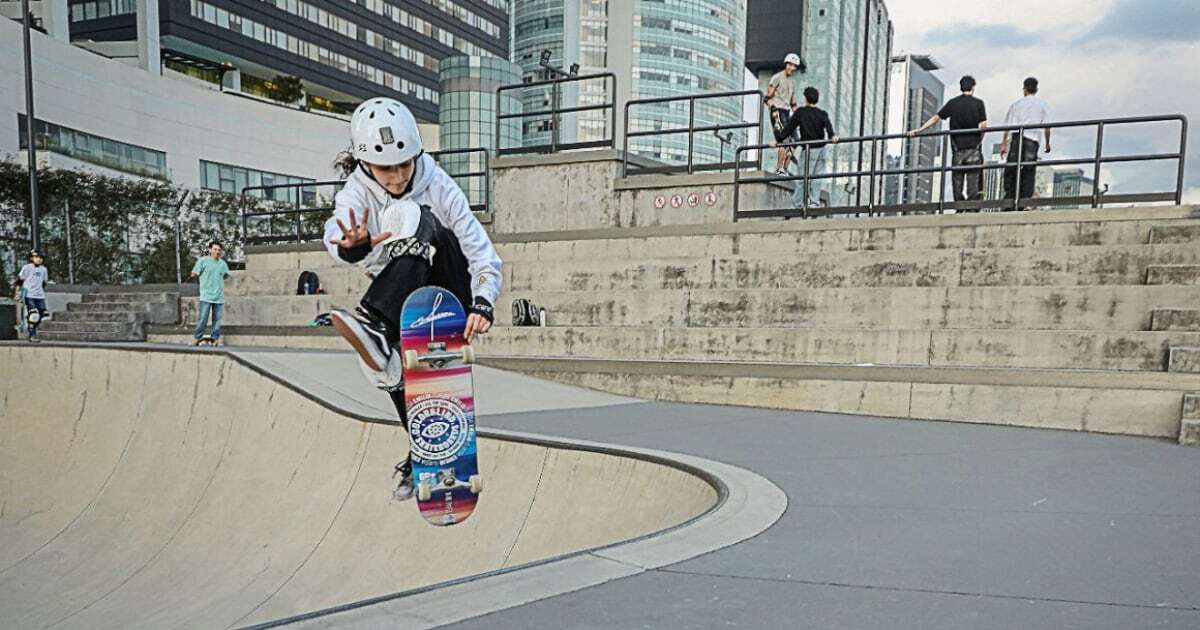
403	219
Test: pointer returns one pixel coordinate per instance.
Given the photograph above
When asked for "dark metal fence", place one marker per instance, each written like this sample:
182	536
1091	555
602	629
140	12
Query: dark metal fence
297	212
555	113
874	172
691	130
287	212
483	201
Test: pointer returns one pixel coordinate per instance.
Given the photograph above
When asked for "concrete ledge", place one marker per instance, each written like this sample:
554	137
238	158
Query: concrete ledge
1189	429
1186	275
568	157
1165	319
1153	213
1184	361
1103	402
1002	377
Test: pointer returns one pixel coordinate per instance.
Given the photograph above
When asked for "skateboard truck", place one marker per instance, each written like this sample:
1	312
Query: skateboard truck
438	357
445	480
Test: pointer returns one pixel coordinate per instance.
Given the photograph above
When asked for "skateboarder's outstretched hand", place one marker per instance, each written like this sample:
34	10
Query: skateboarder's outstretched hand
357	233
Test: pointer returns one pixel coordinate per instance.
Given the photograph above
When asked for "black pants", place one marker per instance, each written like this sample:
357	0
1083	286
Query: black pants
406	274
972	179
1028	153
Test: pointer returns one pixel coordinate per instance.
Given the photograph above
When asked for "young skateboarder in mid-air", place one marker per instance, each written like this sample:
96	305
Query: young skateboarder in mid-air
403	219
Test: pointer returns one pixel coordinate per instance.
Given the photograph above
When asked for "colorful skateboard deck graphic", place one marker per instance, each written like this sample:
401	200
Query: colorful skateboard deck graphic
440	400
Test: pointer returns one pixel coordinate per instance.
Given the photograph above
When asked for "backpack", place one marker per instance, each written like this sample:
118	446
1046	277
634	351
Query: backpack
308	284
525	313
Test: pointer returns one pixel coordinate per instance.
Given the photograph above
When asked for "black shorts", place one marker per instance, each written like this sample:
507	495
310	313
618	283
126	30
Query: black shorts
779	121
405	274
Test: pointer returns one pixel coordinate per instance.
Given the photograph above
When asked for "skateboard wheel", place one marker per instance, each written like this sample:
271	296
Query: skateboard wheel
411	360
423	491
468	353
476	484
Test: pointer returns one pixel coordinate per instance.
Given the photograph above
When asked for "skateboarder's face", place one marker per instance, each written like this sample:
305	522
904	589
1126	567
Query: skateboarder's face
394	178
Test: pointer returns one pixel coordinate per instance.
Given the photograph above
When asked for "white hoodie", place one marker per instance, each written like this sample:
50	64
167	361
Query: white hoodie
432	187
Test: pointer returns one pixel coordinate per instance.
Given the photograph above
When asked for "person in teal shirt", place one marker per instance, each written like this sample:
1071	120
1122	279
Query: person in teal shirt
212	272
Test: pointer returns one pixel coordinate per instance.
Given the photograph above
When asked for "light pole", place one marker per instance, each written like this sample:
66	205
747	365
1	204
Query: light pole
30	136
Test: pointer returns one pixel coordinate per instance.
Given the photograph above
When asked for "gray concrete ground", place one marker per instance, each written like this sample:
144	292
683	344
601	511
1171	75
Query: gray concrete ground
901	524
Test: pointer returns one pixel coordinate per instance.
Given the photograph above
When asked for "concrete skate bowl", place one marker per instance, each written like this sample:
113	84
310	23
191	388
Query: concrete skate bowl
164	489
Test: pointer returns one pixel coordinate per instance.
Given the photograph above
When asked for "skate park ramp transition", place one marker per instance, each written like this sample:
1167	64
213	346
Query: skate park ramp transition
182	489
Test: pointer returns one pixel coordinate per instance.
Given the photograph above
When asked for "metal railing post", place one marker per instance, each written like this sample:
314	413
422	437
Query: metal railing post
554	116
807	150
691	132
1020	159
1183	130
942	187
624	142
1096	169
871	184
612	108
737	182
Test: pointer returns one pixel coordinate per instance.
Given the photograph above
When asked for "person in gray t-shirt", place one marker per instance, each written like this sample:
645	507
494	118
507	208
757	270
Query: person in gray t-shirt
781	99
33	278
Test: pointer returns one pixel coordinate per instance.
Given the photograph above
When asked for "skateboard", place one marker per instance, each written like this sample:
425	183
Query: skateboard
440	402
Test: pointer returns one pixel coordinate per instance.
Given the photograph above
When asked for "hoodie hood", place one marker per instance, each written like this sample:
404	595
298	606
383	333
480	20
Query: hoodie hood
422	176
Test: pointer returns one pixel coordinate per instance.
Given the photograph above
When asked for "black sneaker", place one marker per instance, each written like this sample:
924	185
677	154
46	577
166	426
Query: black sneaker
365	336
404	489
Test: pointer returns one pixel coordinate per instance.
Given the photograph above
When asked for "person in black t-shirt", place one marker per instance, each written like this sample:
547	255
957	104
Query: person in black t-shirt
964	112
815	127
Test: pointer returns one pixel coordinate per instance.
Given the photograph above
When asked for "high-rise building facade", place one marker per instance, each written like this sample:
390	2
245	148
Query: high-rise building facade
845	46
343	52
915	95
467	116
655	49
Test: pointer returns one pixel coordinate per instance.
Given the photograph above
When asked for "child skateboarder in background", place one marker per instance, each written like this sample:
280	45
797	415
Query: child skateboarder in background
403	219
31	286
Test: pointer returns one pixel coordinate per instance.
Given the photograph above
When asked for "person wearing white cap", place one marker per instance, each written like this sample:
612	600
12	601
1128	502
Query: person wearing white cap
781	99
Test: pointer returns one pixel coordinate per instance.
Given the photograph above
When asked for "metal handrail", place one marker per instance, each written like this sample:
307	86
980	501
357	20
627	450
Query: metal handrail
1096	199
485	173
691	130
297	213
556	112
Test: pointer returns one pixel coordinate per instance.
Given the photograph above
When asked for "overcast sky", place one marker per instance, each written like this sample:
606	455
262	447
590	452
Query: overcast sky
1094	58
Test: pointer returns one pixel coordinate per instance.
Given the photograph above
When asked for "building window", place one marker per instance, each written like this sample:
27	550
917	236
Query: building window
119	156
232	179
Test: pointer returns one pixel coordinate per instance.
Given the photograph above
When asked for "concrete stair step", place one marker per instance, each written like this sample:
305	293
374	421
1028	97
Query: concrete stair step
135	298
78	336
1137	403
1176	319
1175	234
1184	360
87	326
1118	308
105	307
1079	266
94	316
1177	275
1144	351
993	230
1189	430
342	280
271	310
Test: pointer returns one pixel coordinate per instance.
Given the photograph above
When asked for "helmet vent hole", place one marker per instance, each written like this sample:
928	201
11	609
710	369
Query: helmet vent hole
372	116
391	113
400	145
378	149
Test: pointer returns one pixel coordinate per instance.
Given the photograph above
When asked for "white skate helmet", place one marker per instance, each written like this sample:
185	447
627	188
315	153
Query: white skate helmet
792	58
384	132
